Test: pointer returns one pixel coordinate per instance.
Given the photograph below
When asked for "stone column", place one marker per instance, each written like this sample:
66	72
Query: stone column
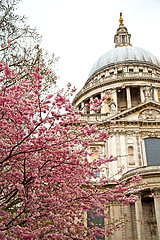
122	152
107	220
155	95
128	224
113	165
111	220
82	106
157	209
117	216
102	109
115	98
91	111
128	93
139	220
142	94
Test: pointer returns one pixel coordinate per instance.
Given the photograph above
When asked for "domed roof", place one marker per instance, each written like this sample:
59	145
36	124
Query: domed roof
124	54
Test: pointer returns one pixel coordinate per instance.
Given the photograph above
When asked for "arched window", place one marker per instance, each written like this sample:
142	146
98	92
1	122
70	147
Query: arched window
152	146
123	39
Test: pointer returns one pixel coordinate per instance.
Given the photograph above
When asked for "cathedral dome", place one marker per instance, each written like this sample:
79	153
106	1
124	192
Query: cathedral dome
123	54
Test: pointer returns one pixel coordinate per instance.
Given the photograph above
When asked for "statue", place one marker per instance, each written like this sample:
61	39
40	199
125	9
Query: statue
148	92
112	107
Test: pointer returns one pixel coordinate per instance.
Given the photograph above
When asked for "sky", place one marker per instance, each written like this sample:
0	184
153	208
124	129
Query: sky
80	31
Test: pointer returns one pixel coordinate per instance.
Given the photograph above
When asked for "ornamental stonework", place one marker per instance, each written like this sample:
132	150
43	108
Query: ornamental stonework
149	115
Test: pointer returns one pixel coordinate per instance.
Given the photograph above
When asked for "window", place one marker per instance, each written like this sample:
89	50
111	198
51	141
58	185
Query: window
120	71
97	174
111	73
102	76
80	107
152	146
140	70
130	69
92	218
123	39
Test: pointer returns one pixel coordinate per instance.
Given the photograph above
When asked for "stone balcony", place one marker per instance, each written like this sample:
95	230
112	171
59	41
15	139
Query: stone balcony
92	118
115	78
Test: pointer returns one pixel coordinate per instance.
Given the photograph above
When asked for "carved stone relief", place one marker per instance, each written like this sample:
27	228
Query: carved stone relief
148	92
156	192
149	115
150	134
112	107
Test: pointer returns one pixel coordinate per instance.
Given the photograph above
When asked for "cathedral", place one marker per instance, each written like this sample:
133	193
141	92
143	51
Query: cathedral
130	76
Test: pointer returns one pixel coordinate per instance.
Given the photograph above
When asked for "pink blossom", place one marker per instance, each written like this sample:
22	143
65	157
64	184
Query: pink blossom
68	85
9	41
49	72
2	45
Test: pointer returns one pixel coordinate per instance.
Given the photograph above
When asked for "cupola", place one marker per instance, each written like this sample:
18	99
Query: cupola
122	37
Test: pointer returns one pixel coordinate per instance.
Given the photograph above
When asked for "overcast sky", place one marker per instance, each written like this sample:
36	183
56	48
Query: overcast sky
80	31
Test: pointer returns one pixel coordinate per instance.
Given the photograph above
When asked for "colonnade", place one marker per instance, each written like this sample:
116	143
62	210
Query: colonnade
139	218
146	93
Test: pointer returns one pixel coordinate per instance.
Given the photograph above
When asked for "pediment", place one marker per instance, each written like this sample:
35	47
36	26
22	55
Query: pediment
147	111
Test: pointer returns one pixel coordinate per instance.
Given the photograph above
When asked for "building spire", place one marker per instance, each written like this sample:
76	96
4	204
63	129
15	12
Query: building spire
122	37
121	19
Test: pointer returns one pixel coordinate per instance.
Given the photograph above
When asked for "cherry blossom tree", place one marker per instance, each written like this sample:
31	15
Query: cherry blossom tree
46	176
21	45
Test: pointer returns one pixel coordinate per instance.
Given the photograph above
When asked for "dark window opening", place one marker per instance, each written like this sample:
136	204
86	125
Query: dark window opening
130	69
79	107
152	146
99	97
111	73
149	215
97	173
121	99
135	96
120	71
86	108
123	39
140	70
93	219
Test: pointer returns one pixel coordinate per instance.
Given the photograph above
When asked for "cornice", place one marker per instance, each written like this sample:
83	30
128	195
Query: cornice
144	171
123	64
142	106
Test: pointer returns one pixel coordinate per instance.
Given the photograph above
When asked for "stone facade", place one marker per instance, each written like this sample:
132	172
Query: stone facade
131	78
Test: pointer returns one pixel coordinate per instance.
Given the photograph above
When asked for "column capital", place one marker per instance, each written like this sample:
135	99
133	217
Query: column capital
156	192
